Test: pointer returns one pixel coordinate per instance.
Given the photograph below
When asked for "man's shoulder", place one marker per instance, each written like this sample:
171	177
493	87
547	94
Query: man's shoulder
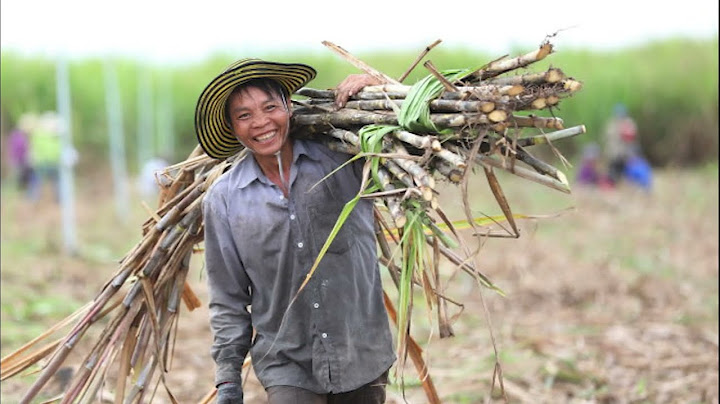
320	151
222	183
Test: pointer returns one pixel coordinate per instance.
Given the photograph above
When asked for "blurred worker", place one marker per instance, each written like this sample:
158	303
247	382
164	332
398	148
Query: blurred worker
638	171
591	172
18	149
620	140
45	155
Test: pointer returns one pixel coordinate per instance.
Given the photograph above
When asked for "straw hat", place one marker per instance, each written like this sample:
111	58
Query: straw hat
212	129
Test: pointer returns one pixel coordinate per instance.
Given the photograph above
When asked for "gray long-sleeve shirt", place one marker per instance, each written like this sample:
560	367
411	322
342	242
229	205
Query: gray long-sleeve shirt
259	247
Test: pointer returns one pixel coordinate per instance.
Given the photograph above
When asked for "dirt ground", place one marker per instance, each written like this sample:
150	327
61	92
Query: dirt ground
614	301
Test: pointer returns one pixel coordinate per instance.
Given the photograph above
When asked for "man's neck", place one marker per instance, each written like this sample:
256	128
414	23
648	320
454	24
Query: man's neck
270	166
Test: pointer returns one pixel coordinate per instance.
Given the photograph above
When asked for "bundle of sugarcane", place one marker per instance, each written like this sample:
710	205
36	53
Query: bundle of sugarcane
433	126
409	135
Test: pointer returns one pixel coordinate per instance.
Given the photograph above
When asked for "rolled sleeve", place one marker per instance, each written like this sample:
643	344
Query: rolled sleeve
230	296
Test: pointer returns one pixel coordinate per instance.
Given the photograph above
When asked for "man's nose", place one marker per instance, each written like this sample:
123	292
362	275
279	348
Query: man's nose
260	119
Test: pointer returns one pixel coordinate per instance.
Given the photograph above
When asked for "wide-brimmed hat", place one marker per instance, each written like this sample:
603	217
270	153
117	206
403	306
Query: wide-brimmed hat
212	129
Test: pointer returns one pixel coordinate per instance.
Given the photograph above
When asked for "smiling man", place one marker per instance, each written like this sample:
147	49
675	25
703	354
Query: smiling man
265	222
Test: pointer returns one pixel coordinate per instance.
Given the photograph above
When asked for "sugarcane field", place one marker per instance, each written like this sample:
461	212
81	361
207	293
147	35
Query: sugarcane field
519	262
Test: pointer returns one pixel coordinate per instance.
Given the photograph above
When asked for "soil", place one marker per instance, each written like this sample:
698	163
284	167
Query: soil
613	301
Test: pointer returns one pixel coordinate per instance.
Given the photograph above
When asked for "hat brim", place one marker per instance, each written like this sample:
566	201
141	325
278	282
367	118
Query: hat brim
212	129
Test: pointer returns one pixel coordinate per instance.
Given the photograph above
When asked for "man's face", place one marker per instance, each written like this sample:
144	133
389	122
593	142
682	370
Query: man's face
259	120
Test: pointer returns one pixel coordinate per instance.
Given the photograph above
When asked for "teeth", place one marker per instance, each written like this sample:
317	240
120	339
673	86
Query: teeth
265	137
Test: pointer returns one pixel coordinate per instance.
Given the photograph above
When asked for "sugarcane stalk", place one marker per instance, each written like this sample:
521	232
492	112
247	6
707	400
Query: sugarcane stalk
552	136
538	103
169	218
418	59
421	142
536	122
18	366
189	297
124	367
182	285
57	359
421	177
101	350
523	173
141	342
499	67
382	77
139	387
81	377
340	146
392	203
354	117
539	165
91	391
448	170
9	364
481	92
415	353
572	85
445	83
345	135
398	172
456	161
445	105
552	75
438	105
68	345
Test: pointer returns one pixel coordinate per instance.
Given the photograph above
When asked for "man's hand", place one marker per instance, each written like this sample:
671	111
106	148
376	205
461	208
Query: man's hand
229	393
351	86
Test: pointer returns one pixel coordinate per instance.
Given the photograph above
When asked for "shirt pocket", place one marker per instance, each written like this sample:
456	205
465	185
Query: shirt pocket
324	210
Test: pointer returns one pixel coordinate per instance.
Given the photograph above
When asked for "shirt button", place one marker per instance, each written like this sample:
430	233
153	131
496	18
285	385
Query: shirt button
300	245
292	217
324	335
316	305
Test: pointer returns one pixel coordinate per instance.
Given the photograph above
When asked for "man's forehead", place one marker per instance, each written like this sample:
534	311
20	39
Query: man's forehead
252	94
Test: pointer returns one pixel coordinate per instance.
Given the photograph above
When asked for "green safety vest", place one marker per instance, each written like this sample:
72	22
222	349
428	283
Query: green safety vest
45	148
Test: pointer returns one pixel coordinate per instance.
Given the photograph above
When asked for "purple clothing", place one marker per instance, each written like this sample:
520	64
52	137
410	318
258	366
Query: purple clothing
588	173
18	147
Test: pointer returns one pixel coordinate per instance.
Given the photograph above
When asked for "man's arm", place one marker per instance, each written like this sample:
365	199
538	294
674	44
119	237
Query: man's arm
229	289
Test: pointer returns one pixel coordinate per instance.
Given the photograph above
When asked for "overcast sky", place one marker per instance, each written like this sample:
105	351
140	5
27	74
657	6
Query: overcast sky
178	31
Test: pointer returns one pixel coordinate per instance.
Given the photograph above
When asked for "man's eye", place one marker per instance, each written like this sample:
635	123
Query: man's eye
270	107
243	117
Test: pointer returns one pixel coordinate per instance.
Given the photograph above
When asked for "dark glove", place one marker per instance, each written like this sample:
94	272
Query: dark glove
229	393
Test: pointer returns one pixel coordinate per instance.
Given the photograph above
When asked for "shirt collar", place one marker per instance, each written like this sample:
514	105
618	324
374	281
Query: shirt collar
249	170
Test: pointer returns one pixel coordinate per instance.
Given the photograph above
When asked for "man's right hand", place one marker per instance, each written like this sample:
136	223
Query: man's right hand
351	86
229	393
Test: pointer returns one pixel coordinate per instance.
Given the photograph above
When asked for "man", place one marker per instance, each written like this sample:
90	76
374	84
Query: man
265	222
